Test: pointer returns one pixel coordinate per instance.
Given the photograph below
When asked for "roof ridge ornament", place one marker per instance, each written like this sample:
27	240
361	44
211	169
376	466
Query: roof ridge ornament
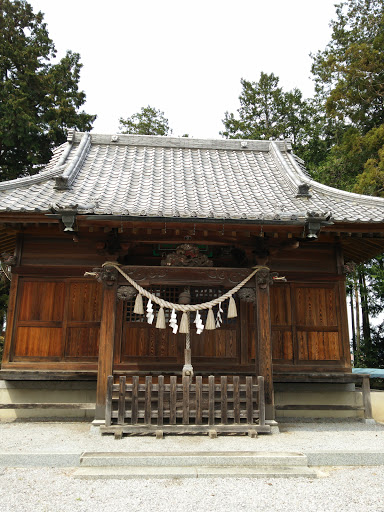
303	191
71	135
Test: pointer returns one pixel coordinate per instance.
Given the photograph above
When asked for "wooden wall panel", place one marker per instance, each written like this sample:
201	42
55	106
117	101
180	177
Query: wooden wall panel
306	324
281	323
318	346
219	343
82	342
315	306
282	345
85	301
146	341
41	301
61	251
280	305
57	320
38	342
309	257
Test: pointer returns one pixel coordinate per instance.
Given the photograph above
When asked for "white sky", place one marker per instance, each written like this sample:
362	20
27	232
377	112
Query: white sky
185	58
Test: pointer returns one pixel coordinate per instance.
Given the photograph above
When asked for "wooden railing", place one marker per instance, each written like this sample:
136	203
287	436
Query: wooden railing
184	405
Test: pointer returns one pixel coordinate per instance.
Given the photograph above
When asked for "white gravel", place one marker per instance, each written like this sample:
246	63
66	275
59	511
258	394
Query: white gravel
304	437
46	490
349	489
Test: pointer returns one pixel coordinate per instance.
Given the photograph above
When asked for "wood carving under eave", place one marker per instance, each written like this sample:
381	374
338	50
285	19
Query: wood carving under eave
191	275
187	255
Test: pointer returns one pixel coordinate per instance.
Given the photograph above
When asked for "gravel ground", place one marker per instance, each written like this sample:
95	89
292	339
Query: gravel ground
46	490
349	489
303	437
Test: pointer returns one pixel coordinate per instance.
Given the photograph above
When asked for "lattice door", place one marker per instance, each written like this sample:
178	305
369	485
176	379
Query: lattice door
149	348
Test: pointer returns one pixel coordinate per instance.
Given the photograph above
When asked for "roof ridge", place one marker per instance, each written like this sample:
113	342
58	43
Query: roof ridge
64	181
183	142
331	190
284	168
26	181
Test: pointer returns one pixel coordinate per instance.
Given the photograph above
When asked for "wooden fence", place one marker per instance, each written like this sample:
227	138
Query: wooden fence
184	405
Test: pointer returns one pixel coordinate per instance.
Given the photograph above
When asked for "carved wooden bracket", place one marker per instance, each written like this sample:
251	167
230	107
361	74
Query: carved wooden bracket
264	278
8	259
105	275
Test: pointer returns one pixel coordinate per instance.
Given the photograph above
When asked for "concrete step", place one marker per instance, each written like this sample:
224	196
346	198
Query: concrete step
222	460
128	472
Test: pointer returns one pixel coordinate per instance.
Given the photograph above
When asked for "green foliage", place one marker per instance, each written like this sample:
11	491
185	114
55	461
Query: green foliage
349	73
371	354
39	100
349	80
148	121
266	111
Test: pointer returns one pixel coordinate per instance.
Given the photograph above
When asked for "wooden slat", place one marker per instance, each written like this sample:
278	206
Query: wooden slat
135	395
121	405
249	404
224	399
108	405
148	400
160	400
199	403
236	399
185	400
199	400
211	400
184	429
172	400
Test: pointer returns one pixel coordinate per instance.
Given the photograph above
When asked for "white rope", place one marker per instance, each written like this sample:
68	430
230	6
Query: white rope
184	307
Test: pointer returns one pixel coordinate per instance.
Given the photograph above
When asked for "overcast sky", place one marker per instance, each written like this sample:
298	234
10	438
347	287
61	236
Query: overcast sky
185	58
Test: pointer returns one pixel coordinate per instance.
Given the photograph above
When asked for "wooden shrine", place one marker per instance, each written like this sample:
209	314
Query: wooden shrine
180	216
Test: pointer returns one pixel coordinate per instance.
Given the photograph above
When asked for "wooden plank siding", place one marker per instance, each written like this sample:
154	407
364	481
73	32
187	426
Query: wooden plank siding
55	320
54	313
308	327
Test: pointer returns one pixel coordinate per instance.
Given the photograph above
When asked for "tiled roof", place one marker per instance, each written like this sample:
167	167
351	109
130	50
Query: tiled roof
149	176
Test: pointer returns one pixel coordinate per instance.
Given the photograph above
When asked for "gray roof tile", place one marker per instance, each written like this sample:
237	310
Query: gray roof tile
181	177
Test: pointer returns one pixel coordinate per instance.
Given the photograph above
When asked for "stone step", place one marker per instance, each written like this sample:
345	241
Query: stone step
193	459
147	472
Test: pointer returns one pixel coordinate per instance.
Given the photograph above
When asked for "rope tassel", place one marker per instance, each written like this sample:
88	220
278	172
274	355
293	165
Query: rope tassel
210	323
232	311
160	321
139	309
184	324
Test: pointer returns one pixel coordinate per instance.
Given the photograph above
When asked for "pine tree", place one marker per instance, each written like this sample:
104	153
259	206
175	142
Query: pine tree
39	100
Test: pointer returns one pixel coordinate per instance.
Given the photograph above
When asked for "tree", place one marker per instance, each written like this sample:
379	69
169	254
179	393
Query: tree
349	72
266	111
148	121
39	100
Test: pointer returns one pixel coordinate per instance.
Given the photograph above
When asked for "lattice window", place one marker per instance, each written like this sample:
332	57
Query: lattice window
199	294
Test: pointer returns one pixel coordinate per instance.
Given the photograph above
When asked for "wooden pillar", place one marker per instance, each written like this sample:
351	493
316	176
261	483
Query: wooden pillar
264	340
106	345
